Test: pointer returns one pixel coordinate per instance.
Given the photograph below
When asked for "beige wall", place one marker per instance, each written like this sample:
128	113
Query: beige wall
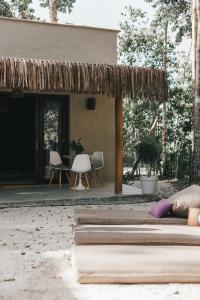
29	39
95	127
72	43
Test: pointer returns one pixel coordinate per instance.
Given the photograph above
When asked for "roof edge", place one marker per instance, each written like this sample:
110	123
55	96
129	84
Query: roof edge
58	24
83	78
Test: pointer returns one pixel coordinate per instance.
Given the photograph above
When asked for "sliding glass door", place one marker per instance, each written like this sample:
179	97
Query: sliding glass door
52	131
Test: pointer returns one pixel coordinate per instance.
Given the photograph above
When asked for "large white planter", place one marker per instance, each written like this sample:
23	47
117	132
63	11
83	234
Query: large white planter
149	184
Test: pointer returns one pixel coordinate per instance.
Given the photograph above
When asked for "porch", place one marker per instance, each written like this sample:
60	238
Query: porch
52	196
107	82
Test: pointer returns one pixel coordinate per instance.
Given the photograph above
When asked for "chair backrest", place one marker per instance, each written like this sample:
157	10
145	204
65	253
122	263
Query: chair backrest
55	158
97	159
81	163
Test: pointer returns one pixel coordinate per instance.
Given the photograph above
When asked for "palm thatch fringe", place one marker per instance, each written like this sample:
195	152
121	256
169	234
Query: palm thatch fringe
111	80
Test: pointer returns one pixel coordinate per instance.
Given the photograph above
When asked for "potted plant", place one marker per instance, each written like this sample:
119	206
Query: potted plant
149	153
76	146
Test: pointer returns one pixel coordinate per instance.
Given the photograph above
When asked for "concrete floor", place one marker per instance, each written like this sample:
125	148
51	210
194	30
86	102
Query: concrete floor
45	195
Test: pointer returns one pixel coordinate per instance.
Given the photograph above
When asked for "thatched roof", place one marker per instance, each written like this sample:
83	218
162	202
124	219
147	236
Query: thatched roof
111	80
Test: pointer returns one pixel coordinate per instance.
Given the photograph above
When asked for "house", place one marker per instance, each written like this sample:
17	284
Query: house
48	75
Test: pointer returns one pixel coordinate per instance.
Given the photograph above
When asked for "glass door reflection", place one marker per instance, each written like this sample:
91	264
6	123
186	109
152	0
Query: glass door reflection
52	128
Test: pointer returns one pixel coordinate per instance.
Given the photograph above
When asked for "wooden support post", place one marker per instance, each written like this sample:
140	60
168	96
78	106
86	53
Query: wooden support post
118	145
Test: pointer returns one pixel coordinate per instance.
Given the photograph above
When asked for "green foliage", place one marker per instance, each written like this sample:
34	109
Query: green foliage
138	119
22	9
141	44
17	9
178	14
76	146
149	151
5	9
61	5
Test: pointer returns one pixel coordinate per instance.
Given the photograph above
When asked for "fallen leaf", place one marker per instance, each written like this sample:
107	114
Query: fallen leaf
9	279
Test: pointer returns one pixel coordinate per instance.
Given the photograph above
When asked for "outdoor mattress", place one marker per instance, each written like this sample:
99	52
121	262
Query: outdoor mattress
136	264
120	217
137	235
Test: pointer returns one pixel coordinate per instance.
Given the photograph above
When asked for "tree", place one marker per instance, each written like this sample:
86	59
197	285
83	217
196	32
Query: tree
196	86
164	108
142	43
56	6
178	13
5	9
22	9
17	9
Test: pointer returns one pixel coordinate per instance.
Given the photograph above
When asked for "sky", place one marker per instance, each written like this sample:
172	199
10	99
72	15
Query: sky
97	13
100	13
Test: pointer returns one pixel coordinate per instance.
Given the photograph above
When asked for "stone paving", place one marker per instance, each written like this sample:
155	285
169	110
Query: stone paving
45	195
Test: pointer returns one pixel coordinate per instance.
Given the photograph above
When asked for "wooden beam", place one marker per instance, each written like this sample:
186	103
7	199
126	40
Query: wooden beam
118	145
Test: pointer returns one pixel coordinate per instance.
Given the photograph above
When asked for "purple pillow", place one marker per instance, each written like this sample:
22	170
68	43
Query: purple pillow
161	208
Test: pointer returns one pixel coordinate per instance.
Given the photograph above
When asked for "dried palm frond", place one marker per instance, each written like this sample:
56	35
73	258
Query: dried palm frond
71	77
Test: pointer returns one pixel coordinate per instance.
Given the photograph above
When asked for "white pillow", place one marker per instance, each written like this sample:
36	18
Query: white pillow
183	200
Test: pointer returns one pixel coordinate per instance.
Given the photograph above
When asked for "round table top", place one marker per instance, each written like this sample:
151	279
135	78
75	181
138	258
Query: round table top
69	156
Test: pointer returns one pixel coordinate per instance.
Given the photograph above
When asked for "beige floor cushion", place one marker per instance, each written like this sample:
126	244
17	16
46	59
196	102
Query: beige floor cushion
136	264
137	234
120	217
183	200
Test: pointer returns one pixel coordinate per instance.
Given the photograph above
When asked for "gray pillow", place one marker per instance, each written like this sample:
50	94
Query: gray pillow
183	200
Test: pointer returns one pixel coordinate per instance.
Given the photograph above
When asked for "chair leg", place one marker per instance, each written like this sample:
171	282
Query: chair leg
52	176
75	181
100	177
60	178
71	177
68	178
90	178
86	178
94	178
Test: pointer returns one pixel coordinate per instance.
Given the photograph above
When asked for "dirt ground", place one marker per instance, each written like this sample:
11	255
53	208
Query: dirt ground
35	246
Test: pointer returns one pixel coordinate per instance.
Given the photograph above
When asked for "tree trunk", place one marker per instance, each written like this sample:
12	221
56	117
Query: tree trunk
22	15
164	110
53	11
196	88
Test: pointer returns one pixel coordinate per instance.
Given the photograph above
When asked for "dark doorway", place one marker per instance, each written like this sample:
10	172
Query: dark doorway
29	125
17	138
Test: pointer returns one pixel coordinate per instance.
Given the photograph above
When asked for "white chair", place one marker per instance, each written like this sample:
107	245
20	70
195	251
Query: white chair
81	166
56	165
97	162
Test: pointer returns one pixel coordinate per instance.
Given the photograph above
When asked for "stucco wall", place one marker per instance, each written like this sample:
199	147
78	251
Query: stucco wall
28	39
72	43
96	128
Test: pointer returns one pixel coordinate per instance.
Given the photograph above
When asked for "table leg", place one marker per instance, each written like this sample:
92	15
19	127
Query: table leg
80	185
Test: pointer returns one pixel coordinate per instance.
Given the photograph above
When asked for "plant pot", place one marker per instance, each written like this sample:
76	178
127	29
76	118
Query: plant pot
149	184
78	152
